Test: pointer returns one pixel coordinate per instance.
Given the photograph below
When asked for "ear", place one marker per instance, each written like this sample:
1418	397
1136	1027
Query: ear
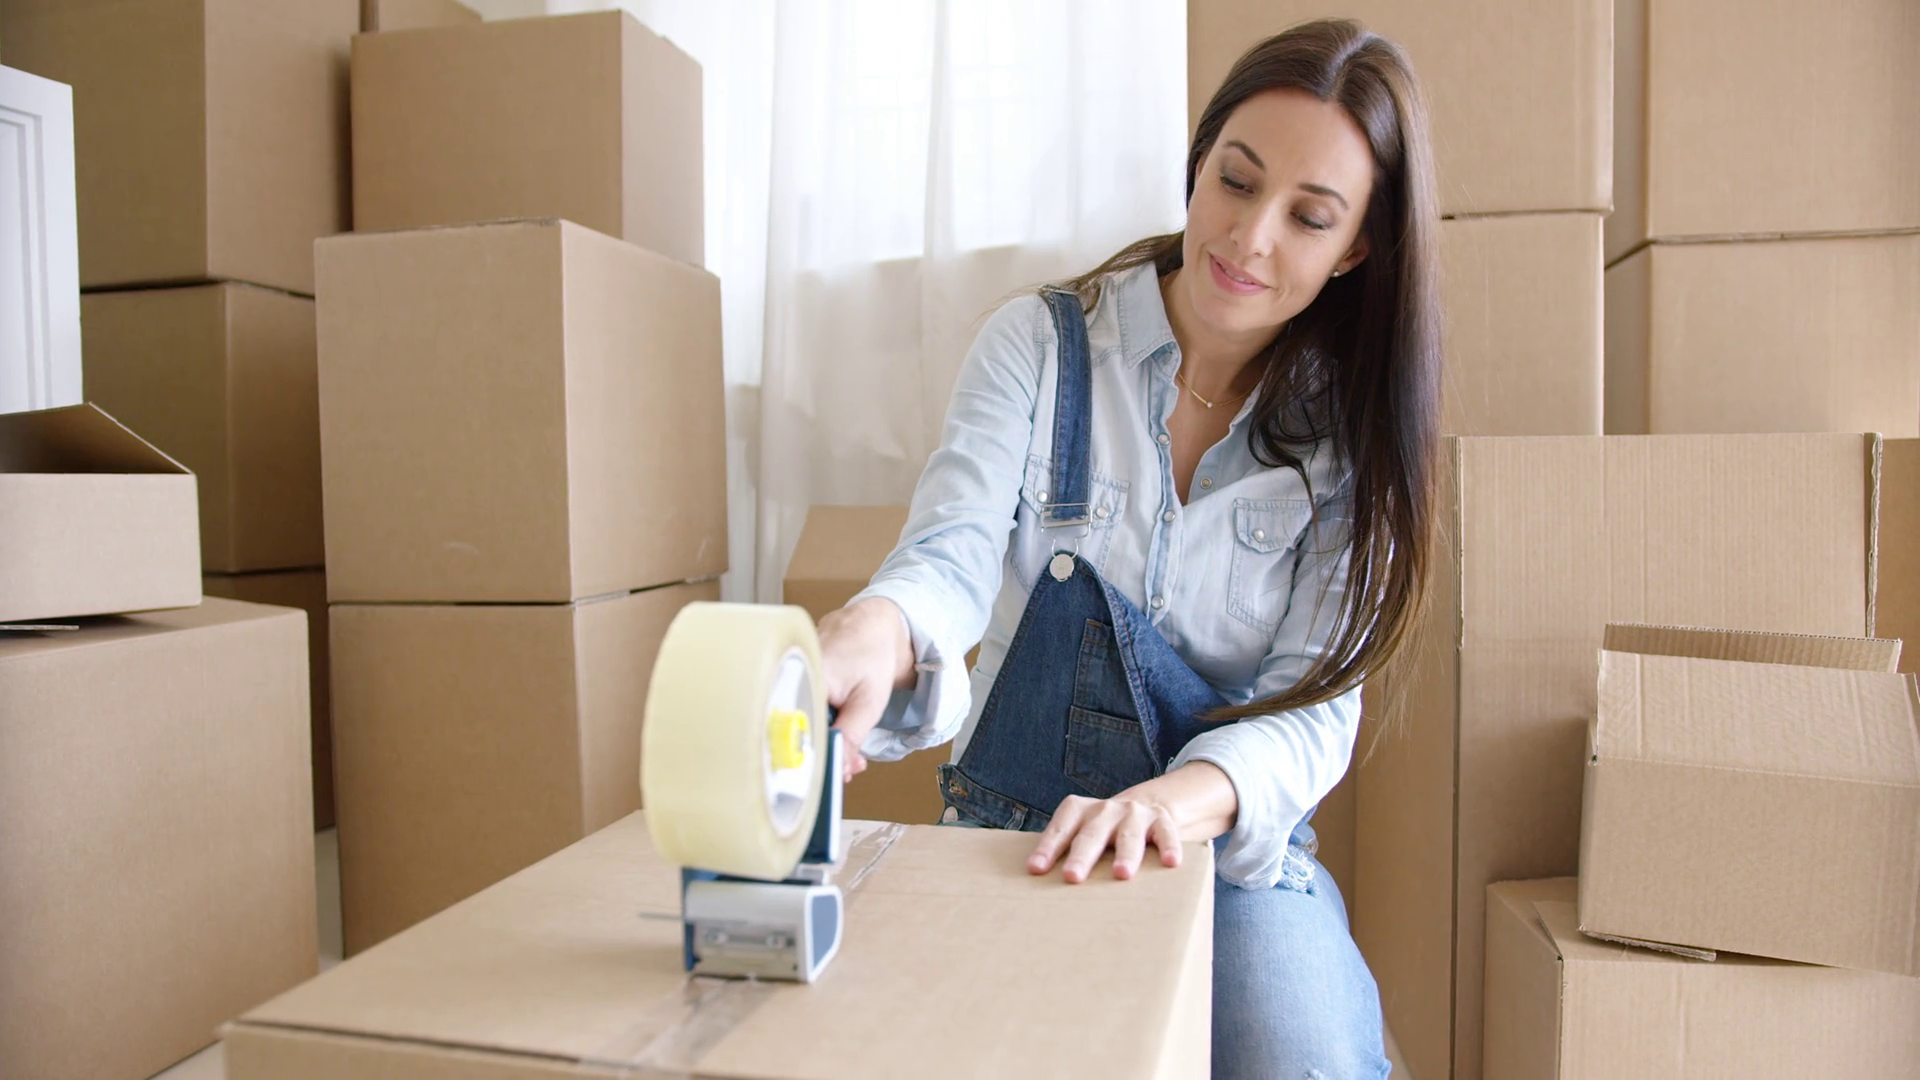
1355	255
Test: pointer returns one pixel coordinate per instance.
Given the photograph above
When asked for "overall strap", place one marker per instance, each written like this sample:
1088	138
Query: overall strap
1072	414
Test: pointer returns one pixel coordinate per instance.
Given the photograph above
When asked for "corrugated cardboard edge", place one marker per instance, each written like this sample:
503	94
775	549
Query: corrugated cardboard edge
141	448
1754	647
1689	952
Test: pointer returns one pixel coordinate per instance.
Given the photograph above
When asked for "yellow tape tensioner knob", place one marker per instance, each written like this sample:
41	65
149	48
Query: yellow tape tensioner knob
787	738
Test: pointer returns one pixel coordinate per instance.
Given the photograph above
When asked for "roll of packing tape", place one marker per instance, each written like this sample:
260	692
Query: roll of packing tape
733	752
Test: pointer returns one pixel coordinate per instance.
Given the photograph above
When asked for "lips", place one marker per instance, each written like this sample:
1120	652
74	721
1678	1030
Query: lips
1233	280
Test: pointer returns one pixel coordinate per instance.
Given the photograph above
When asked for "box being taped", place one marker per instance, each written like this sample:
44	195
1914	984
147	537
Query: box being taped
1564	1007
93	520
1758	793
955	961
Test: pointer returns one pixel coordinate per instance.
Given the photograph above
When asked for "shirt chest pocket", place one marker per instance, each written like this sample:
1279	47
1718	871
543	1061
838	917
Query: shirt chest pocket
1033	545
1266	533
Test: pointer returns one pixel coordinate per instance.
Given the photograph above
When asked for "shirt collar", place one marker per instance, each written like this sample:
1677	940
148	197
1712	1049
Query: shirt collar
1141	314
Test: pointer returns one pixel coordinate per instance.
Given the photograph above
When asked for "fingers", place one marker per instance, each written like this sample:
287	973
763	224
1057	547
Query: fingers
1166	838
860	711
1059	832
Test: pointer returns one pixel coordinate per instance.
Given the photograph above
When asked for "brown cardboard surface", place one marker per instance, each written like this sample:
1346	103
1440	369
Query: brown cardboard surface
1522	297
210	136
593	118
1896	609
524	411
554	972
1766	335
1521	106
1712	140
1764	807
222	378
471	741
1546	540
378	15
839	549
1564	1007
92	519
156	839
306	590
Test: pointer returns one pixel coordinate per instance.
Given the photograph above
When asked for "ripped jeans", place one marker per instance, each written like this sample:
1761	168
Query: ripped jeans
1292	998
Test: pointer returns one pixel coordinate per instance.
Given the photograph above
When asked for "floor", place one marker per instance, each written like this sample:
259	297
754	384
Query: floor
208	1064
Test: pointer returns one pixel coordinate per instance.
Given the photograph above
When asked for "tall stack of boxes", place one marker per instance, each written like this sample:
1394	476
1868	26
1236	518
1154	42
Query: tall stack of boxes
211	146
522	441
1523	163
156	840
1765	256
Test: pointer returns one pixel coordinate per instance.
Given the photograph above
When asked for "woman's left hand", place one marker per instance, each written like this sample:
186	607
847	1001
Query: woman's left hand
1083	829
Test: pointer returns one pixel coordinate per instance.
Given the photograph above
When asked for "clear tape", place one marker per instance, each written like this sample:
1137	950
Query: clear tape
669	1039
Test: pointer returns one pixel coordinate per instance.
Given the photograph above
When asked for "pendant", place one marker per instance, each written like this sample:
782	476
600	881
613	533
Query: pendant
1060	566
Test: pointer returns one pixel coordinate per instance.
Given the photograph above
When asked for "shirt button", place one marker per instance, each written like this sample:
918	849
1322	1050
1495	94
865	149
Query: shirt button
1206	481
1163	439
1259	534
1167	517
1159	602
1101	513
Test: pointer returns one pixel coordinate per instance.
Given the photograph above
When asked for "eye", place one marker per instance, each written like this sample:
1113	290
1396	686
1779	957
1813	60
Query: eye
1311	222
1235	185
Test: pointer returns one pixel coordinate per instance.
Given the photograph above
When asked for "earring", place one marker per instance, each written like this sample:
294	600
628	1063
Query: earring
1337	273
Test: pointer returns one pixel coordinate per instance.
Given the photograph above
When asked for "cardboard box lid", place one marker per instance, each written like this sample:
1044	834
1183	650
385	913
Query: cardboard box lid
1793	704
93	519
577	961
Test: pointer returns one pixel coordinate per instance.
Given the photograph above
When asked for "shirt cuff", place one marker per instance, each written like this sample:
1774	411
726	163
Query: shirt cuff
929	712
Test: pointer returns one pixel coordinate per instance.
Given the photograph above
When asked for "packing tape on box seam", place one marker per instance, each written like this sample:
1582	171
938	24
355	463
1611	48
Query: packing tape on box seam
668	1039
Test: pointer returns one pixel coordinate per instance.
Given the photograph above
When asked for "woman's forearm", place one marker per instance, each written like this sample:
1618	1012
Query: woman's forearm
1197	794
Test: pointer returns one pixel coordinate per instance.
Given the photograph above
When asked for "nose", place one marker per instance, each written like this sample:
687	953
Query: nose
1257	229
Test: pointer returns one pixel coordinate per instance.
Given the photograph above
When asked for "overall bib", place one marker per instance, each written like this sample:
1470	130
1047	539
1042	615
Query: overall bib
1091	700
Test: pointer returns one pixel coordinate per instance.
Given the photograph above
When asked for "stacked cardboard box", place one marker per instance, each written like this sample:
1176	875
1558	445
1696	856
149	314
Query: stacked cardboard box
839	550
155	815
1746	793
212	152
522	443
1521	135
1764	258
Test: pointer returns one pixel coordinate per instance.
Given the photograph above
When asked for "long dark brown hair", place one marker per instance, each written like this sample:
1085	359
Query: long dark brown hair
1360	366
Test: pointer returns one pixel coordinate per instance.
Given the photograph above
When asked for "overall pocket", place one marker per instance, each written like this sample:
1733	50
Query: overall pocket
1107	748
1265	536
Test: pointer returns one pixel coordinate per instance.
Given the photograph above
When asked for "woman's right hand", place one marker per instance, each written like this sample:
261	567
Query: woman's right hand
867	653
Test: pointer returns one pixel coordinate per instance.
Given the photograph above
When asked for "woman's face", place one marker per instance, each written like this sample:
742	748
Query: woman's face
1276	210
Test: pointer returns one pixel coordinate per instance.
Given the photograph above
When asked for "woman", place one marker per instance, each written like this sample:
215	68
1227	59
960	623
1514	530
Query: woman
1205	468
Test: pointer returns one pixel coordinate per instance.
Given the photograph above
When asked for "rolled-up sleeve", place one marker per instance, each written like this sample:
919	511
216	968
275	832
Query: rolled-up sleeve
1283	764
946	569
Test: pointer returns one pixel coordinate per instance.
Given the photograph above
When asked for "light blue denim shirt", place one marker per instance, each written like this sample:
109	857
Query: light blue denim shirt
1244	580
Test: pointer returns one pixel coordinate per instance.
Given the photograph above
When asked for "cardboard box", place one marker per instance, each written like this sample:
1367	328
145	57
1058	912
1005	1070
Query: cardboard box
471	741
1565	1007
1896	608
593	118
1780	335
1755	793
210	135
524	411
1521	114
222	378
306	590
92	519
1546	541
839	550
387	15
1522	297
573	969
156	835
1728	122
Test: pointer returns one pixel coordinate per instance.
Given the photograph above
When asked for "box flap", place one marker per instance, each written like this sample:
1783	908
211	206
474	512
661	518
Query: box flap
1806	650
1897	578
76	439
842	543
1776	718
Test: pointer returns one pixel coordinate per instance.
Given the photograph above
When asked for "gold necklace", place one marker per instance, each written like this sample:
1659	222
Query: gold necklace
1209	404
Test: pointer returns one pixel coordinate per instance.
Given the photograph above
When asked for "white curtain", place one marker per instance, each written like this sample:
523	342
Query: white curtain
879	174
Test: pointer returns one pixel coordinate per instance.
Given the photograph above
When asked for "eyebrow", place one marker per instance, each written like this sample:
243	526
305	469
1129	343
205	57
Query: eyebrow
1317	189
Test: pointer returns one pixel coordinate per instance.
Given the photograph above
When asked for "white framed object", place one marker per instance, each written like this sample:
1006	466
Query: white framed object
39	245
